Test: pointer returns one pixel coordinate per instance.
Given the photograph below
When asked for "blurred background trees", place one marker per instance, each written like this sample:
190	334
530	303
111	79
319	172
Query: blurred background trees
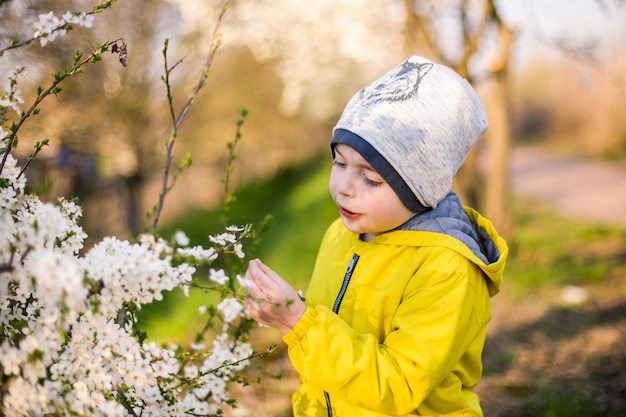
103	149
473	39
549	74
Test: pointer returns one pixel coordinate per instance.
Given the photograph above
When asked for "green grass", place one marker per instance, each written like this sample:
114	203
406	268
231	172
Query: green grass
298	200
545	248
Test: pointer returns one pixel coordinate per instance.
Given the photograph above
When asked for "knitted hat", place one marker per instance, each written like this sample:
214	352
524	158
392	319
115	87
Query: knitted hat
422	118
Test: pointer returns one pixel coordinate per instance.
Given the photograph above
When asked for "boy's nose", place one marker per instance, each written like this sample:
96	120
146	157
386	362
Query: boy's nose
345	185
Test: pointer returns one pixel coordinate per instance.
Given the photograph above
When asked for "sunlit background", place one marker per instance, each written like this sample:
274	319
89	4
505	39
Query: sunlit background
552	75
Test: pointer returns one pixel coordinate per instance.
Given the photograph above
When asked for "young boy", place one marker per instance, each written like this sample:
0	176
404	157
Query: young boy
395	317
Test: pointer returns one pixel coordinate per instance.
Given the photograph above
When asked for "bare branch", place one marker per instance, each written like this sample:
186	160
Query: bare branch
53	89
178	120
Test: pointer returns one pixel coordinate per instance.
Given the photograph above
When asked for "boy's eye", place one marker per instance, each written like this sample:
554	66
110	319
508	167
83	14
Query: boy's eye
339	164
370	182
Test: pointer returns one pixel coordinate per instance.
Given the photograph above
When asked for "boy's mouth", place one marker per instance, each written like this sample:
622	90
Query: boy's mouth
347	213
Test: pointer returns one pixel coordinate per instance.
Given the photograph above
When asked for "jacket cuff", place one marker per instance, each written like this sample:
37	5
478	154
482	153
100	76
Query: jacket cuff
297	332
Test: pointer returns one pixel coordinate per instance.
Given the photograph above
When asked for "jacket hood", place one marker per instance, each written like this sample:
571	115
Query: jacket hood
473	236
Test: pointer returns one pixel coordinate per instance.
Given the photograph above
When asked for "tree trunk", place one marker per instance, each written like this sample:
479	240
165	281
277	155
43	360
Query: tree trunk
420	35
497	181
499	136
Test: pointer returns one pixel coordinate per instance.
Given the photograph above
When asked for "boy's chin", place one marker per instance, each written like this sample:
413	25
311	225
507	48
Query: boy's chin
351	226
359	230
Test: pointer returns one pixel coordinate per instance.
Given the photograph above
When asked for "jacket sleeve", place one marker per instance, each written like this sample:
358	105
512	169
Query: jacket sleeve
431	331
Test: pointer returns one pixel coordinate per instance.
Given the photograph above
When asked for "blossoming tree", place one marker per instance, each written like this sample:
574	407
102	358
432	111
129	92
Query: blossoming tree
69	339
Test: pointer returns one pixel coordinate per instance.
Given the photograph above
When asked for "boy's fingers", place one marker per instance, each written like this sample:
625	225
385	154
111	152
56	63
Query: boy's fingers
262	275
250	284
254	291
270	276
259	270
270	286
253	271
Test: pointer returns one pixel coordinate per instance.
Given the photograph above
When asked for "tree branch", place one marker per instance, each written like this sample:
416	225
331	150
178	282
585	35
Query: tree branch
178	120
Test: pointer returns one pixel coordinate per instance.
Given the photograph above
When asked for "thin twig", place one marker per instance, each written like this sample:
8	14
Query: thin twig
53	89
228	196
17	43
178	120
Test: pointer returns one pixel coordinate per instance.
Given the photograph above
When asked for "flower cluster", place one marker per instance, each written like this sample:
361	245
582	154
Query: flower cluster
49	26
12	98
69	337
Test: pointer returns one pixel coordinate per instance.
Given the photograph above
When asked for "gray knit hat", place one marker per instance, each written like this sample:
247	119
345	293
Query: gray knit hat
422	118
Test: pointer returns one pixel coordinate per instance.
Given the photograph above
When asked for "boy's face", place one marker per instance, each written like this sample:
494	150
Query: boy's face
367	204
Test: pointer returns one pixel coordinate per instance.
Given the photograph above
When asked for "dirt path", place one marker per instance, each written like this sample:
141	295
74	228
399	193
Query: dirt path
542	358
576	187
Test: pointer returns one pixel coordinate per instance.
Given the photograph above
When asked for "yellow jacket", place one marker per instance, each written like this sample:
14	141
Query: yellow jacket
396	326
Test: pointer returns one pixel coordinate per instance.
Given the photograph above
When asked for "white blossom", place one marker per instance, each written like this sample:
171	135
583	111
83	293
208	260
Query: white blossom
68	344
198	346
223	239
72	339
199	253
218	276
181	238
238	249
10	359
230	308
49	26
244	282
58	278
11	173
12	102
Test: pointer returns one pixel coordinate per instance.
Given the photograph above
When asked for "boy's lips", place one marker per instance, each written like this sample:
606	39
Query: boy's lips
347	213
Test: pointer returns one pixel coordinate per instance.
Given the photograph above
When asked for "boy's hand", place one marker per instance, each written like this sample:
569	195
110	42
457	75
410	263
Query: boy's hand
272	300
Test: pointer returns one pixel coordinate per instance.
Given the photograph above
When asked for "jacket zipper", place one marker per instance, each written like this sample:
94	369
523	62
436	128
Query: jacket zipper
336	305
